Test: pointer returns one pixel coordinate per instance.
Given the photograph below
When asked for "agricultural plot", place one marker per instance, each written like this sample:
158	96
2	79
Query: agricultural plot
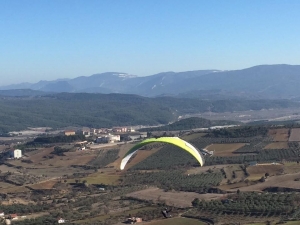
178	199
122	151
283	181
104	157
120	213
281	134
175	180
277	145
140	156
291	167
224	149
176	221
99	178
44	185
295	134
234	174
256	172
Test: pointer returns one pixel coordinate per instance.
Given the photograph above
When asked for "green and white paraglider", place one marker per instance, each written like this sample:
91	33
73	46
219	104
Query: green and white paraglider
184	145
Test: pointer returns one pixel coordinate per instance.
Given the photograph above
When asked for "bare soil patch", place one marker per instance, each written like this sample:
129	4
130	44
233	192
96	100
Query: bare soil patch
285	181
44	185
224	149
43	158
295	134
55	171
37	156
203	169
281	134
256	172
277	145
179	199
291	167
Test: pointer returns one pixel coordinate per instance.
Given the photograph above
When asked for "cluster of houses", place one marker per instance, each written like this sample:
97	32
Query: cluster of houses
94	132
105	135
8	218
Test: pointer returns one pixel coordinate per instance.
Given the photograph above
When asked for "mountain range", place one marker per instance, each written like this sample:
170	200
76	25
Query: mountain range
259	82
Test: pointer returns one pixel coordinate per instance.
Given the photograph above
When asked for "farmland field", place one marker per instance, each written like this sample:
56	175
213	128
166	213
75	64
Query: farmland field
176	221
100	178
103	217
281	134
140	156
256	172
224	149
295	134
284	181
44	185
122	152
277	145
179	198
291	167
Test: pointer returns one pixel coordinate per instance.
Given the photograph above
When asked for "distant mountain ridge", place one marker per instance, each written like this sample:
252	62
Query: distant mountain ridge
263	81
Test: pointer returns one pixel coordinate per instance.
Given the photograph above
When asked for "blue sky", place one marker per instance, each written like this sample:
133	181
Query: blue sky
46	40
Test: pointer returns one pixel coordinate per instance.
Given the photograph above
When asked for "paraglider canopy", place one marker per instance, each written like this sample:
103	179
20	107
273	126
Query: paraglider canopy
184	145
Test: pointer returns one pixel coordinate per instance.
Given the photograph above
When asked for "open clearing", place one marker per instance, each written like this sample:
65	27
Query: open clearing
178	199
101	177
277	145
284	181
44	185
256	172
41	159
203	169
281	134
291	167
224	149
295	134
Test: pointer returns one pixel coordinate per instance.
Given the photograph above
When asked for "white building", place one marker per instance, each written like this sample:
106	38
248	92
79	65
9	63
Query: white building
108	139
17	153
61	220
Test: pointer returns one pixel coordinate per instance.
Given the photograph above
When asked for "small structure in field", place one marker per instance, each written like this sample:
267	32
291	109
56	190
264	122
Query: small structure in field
61	220
132	220
17	153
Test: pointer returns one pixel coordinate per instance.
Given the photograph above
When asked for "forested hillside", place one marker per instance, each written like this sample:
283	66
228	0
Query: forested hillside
106	110
191	123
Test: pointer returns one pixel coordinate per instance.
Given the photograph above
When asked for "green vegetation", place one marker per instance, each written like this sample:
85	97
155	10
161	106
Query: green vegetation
107	110
191	123
58	139
254	203
176	180
244	131
104	158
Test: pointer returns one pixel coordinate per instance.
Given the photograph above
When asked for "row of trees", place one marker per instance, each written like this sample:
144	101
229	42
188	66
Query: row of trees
287	203
176	180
